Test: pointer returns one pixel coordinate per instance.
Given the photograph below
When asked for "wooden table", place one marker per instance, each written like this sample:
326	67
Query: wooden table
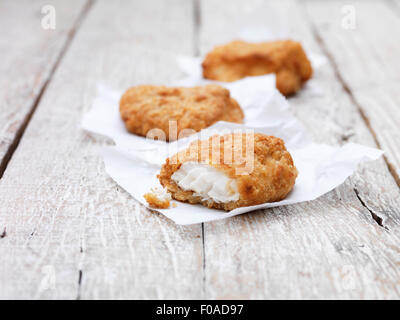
68	231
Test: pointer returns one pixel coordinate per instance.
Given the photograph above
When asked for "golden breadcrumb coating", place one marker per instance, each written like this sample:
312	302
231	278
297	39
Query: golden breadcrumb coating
147	107
239	59
271	179
154	201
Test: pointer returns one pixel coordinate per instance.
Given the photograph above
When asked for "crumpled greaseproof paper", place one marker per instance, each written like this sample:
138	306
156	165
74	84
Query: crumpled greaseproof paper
135	161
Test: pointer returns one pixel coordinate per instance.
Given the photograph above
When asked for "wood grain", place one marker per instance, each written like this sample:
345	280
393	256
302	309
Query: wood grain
328	248
29	55
367	58
68	231
62	213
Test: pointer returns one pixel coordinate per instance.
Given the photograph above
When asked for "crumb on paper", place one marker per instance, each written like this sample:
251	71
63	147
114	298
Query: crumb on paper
156	202
174	205
157	198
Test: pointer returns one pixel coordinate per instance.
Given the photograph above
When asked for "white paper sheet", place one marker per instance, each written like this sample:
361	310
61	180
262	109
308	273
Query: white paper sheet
135	161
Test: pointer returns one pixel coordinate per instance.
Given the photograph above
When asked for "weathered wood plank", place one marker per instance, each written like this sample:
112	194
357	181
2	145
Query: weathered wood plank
328	248
366	55
60	210
63	214
29	54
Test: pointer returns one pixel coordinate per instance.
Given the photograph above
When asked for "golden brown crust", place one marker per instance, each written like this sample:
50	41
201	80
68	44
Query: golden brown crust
239	59
272	176
154	201
147	107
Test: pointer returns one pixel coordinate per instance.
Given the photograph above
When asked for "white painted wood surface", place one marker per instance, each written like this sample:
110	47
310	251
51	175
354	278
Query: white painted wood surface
28	55
310	250
64	217
61	211
367	58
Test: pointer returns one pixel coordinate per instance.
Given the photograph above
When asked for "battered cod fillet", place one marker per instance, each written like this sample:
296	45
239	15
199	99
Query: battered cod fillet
193	175
239	59
148	107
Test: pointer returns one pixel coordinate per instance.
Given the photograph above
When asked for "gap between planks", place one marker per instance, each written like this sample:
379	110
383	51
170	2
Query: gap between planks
349	92
21	130
378	219
346	88
196	26
196	52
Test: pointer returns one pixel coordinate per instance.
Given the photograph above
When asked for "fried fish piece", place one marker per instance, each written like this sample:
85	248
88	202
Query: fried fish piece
239	59
230	171
157	198
148	107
